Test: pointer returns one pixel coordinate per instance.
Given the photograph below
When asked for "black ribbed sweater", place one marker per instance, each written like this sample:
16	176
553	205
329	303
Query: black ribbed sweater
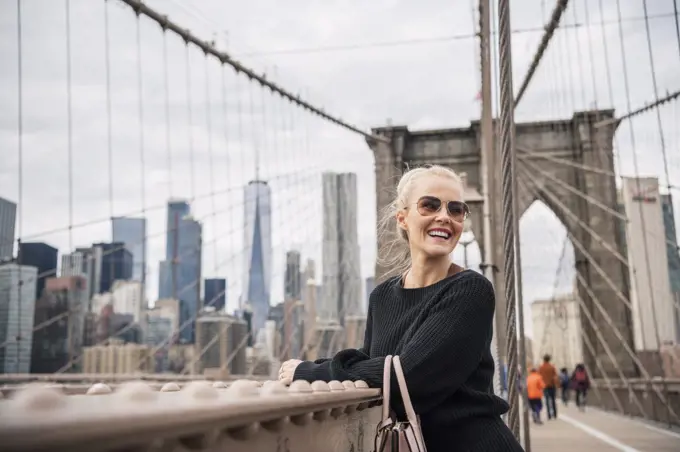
442	334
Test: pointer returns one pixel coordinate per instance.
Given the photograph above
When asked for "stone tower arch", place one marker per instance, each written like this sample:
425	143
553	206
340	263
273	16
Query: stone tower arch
539	144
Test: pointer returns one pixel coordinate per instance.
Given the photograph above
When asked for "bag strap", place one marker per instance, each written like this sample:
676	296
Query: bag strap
406	399
387	371
408	407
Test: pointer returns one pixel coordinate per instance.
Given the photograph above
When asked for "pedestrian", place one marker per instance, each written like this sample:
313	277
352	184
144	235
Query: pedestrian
581	383
535	387
549	374
564	383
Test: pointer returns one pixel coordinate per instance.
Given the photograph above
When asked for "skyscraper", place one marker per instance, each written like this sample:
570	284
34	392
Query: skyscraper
673	255
258	251
293	277
17	311
132	232
8	217
180	273
86	262
215	293
43	257
177	209
370	285
116	264
651	298
341	280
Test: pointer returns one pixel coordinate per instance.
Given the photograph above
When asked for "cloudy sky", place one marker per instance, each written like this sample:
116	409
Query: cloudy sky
404	62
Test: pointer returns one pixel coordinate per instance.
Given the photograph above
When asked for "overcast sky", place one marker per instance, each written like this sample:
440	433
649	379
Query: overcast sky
410	63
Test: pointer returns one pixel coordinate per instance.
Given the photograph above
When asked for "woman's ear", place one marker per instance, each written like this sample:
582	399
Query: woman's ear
401	220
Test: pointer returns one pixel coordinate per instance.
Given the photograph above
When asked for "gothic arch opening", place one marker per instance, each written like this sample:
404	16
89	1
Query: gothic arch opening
552	322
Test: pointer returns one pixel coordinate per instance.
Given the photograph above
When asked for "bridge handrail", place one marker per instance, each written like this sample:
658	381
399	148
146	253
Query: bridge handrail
673	384
40	417
95	378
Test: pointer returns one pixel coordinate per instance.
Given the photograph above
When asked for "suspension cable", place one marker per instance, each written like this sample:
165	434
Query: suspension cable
549	31
509	208
208	48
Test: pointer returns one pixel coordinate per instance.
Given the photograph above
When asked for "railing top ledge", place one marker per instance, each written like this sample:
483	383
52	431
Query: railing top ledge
40	416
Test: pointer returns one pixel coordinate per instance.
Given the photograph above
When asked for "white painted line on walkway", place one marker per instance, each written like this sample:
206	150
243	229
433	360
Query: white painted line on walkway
598	434
662	430
641	422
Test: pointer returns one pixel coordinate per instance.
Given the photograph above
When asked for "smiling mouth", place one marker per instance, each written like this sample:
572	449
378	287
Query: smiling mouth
438	233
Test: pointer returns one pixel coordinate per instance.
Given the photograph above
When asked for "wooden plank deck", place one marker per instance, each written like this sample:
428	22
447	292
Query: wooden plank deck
597	431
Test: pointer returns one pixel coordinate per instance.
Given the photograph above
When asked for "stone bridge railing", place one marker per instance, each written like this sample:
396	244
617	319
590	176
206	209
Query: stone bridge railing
113	378
640	398
245	415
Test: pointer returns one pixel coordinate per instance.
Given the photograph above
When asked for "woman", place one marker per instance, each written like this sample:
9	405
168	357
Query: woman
581	383
437	316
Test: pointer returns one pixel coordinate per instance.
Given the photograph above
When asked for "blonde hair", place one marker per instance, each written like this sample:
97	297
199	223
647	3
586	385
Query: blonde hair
394	252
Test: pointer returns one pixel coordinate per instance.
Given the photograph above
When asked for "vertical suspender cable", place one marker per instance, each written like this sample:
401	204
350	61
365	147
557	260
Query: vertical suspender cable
20	152
508	207
69	119
677	24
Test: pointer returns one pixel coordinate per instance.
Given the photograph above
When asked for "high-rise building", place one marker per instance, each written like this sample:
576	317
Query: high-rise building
17	310
41	256
370	285
177	209
258	252
653	308
85	262
293	277
8	218
222	336
215	293
341	280
673	256
116	264
61	341
557	330
180	273
132	232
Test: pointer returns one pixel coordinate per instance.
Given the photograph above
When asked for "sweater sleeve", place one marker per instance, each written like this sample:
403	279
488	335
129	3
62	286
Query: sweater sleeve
309	370
439	358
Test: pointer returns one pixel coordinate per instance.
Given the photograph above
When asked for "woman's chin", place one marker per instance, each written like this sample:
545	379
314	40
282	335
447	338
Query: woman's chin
436	251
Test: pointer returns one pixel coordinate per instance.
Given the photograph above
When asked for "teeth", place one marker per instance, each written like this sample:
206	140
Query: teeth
442	234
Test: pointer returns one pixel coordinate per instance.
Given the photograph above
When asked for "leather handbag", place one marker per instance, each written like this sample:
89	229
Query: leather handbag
393	435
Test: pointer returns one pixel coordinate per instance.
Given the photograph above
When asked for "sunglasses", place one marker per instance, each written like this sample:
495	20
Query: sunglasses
430	205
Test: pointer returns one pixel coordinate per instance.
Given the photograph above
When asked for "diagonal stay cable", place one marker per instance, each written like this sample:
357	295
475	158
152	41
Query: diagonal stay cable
565	209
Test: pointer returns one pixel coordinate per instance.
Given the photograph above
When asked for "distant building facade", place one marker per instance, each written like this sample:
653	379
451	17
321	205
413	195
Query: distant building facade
215	293
341	272
8	218
17	310
653	307
41	256
557	331
132	233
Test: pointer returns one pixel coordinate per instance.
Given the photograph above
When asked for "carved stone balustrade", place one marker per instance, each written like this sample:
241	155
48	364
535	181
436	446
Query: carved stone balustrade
240	416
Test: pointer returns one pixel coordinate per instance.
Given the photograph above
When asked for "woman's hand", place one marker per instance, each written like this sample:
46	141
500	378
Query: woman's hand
287	371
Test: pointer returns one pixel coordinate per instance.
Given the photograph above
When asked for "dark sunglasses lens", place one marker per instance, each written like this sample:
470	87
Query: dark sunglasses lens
429	205
457	209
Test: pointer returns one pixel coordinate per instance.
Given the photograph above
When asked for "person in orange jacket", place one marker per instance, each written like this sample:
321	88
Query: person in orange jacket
551	380
535	386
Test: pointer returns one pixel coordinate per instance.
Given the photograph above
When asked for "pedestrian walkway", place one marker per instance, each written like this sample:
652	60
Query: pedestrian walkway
598	431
